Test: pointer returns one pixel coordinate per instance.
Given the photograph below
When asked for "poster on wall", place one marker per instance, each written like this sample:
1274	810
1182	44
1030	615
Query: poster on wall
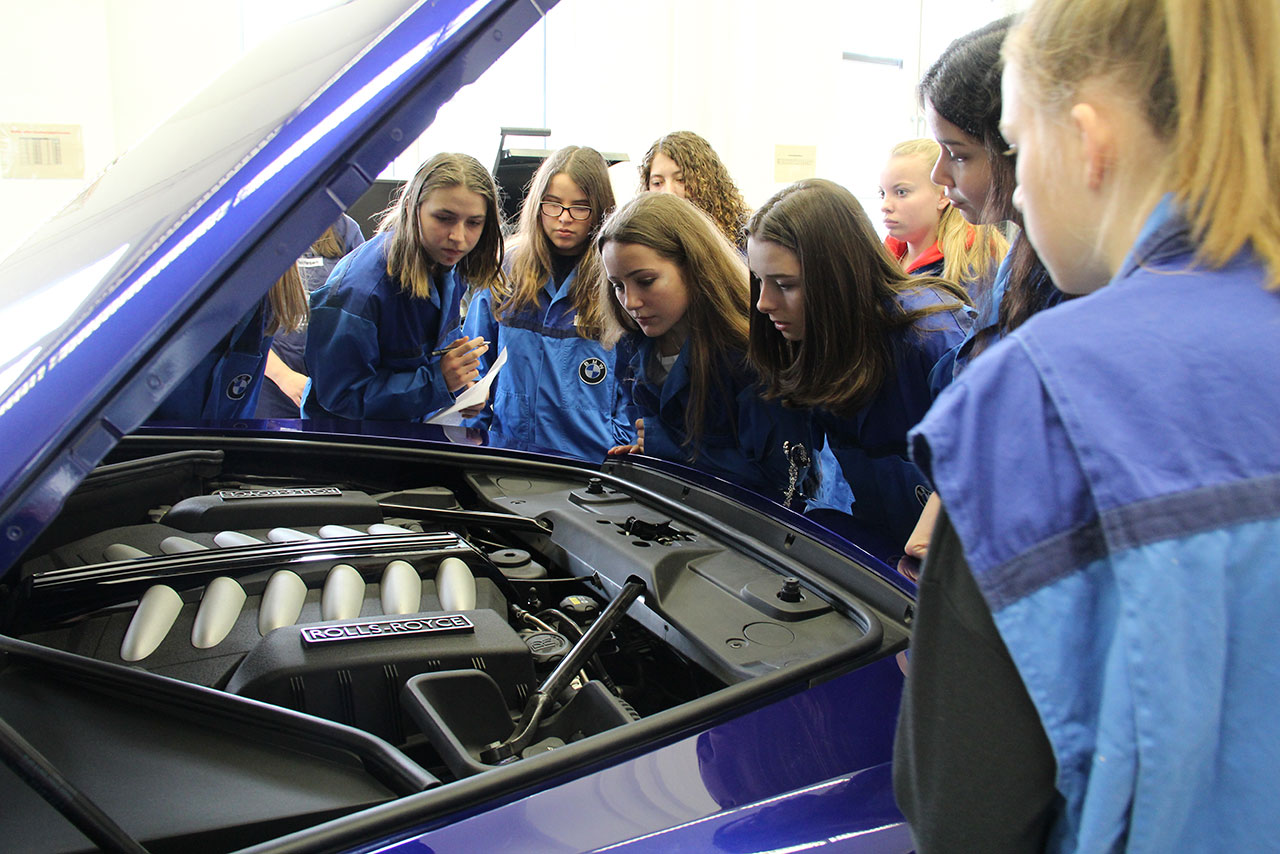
794	163
41	151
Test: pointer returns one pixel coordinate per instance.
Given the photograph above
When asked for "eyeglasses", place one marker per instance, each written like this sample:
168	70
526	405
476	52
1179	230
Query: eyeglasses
554	209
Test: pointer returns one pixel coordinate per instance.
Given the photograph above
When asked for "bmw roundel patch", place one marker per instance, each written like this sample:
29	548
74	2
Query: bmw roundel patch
239	385
592	371
922	494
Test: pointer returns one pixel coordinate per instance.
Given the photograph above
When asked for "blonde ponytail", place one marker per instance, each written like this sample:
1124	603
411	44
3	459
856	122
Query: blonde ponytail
1207	73
970	253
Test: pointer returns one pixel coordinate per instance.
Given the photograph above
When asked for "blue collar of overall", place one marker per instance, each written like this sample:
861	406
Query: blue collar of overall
1165	232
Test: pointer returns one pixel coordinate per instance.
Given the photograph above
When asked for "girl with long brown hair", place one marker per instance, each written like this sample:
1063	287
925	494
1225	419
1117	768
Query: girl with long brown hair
677	292
842	332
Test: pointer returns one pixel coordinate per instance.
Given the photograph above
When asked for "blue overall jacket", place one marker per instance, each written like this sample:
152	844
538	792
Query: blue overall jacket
1112	469
225	384
558	390
314	271
743	435
369	343
987	322
870	445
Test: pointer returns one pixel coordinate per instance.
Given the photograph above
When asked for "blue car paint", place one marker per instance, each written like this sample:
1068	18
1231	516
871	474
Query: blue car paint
201	269
853	814
741	785
80	393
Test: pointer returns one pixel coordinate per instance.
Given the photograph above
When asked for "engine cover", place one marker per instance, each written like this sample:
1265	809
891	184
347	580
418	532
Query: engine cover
351	671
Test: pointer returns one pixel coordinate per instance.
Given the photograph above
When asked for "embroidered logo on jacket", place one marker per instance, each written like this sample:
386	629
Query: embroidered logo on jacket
592	371
238	386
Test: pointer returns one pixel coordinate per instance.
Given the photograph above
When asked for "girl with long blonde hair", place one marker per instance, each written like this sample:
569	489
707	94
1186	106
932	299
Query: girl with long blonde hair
1096	617
383	342
926	235
559	388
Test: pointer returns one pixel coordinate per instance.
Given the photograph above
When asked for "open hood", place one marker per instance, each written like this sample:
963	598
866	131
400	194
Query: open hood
100	322
341	638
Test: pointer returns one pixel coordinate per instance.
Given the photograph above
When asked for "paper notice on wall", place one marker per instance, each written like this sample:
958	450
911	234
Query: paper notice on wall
794	163
476	395
41	151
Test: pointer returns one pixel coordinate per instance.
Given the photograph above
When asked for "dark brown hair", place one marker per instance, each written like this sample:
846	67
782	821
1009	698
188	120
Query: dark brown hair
963	87
851	285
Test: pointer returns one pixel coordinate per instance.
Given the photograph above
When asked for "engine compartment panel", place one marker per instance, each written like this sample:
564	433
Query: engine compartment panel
420	607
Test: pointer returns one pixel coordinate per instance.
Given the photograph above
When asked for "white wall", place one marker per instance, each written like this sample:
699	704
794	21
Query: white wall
746	74
53	68
161	52
116	67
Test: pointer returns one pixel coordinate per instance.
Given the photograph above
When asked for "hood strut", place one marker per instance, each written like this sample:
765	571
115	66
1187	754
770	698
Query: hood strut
47	781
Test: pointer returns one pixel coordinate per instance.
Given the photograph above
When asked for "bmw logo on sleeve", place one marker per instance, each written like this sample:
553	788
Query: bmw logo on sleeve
592	371
239	385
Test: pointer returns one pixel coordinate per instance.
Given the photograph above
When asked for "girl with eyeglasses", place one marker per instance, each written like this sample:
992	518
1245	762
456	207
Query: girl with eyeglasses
557	390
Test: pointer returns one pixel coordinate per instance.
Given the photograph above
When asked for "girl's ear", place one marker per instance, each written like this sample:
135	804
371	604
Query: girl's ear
1095	136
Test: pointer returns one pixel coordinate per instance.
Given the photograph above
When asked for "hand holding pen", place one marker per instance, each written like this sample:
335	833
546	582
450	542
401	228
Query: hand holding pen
460	361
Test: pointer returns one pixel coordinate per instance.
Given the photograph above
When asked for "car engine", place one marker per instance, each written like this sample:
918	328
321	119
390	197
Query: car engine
425	607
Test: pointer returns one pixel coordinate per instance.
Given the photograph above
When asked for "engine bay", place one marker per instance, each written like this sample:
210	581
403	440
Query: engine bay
424	606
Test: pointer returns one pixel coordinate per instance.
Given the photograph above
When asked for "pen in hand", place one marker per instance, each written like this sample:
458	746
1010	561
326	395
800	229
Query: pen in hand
444	350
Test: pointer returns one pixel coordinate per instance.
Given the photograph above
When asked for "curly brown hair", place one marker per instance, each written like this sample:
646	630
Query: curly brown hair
706	180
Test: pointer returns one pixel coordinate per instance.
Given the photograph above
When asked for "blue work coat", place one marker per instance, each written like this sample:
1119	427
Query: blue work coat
369	343
1112	469
225	384
987	321
558	391
743	435
870	444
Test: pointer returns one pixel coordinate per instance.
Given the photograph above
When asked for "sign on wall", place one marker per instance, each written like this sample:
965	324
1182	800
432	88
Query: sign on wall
41	151
794	163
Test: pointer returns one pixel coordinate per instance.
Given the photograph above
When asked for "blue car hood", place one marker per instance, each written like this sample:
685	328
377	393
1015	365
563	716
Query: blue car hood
109	305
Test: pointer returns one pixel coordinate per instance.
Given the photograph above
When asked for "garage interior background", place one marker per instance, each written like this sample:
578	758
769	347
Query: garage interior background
781	88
